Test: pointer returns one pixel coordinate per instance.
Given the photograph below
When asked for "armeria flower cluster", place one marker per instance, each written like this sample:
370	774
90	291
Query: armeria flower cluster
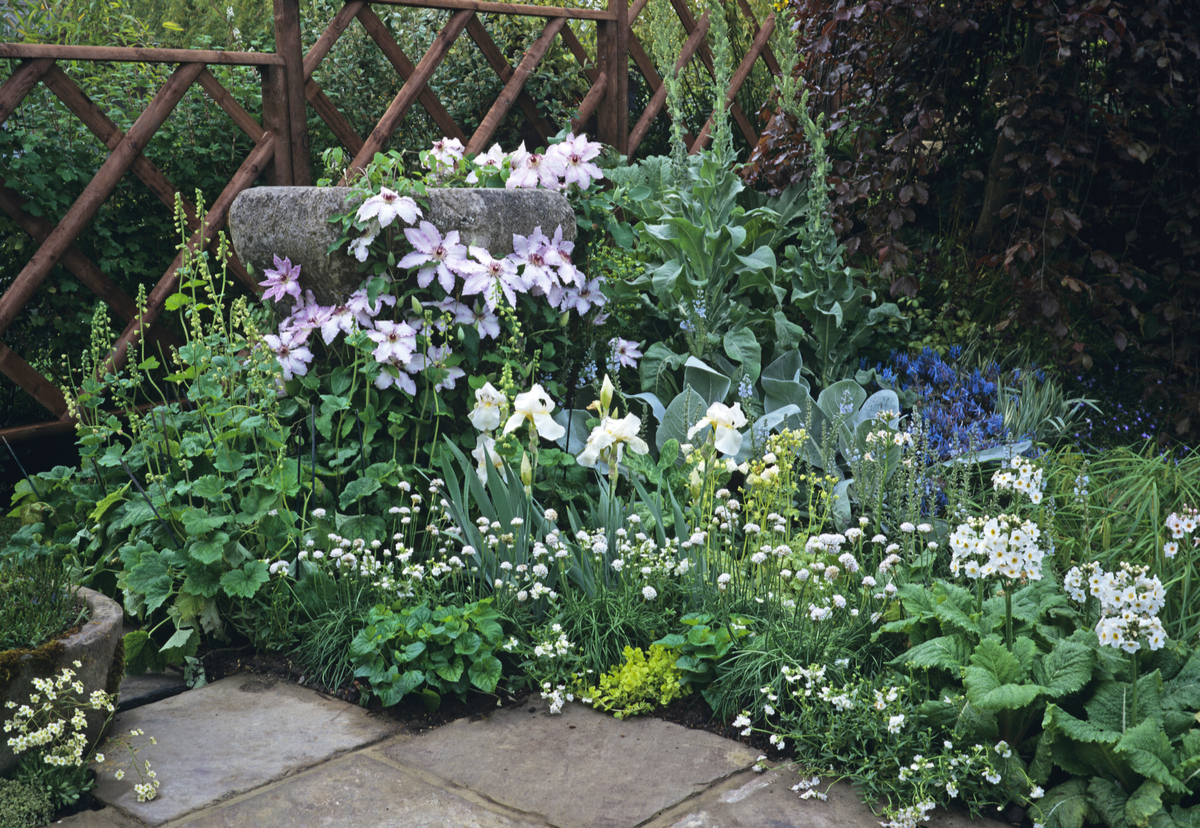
1129	604
1182	526
473	282
1005	546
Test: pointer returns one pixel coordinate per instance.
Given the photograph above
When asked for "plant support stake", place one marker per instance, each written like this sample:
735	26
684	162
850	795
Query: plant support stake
146	498
28	479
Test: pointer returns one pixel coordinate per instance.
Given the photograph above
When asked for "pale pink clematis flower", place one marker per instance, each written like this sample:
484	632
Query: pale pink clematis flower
364	311
491	277
576	154
529	169
440	256
283	281
536	259
396	342
293	356
339	318
388	206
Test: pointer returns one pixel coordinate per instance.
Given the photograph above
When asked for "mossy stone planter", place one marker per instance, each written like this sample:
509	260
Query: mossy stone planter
293	223
98	646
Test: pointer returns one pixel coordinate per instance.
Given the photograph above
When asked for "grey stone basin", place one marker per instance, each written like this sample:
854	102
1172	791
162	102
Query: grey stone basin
95	646
293	222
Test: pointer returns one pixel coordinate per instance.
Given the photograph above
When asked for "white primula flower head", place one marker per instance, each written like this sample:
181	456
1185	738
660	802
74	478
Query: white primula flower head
535	406
610	438
489	408
725	421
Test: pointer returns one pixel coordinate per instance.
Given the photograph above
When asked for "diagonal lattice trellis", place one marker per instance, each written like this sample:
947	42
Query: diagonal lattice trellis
280	139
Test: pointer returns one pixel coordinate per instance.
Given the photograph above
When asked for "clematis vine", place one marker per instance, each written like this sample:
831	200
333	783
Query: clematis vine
435	254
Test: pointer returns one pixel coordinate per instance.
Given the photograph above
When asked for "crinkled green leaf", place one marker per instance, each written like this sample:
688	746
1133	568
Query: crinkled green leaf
1063	806
151	577
946	652
1065	669
1109	801
1144	803
199	522
485	672
1057	719
357	489
209	550
1148	751
244	582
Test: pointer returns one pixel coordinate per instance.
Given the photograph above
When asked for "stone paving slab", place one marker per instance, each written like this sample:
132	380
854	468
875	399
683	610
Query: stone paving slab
229	737
766	800
148	688
108	818
359	791
580	769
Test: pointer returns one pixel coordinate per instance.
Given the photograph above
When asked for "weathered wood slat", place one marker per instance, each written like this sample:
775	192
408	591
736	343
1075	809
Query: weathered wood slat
288	46
95	193
400	62
332	117
103	127
519	9
274	119
643	63
331	34
100	125
84	269
249	170
739	78
767	53
739	116
593	98
493	55
411	89
508	95
571	41
618	73
690	47
31	382
137	54
20	83
232	108
636	9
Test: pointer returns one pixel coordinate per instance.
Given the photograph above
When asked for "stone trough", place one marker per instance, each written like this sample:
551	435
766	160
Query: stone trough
293	223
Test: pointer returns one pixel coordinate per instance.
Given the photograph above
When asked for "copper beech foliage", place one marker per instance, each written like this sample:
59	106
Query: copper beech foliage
1056	141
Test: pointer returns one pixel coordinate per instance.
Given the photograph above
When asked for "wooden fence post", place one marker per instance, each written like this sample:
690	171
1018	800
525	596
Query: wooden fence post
612	43
275	121
287	45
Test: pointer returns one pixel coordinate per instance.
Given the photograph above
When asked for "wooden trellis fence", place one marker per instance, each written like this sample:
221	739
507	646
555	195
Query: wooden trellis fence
280	138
